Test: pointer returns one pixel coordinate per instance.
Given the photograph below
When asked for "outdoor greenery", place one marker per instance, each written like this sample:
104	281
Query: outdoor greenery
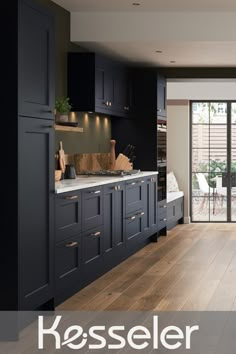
214	169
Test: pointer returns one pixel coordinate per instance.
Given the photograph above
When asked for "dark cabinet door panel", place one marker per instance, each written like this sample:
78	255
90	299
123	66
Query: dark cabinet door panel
119	238
36	68
36	197
134	195
134	226
92	254
109	219
92	212
67	260
68	215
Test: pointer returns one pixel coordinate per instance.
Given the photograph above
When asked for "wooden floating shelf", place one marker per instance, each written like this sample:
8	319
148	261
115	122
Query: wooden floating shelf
64	128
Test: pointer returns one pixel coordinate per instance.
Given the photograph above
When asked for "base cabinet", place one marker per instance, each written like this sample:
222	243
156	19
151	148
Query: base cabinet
114	226
112	222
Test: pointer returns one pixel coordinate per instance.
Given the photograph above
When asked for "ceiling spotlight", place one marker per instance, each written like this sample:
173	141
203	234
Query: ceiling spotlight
158	51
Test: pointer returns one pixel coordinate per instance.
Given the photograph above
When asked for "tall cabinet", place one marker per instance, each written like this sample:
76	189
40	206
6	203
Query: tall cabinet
29	257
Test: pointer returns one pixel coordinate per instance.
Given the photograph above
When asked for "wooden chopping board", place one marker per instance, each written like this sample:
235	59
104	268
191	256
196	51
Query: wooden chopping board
91	162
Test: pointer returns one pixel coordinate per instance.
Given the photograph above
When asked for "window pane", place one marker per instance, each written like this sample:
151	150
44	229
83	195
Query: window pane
200	112
218	160
200	160
233	136
218	113
200	209
218	136
233	113
200	136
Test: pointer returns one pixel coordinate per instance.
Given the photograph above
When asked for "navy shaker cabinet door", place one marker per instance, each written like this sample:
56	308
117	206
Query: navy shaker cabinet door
36	62
36	212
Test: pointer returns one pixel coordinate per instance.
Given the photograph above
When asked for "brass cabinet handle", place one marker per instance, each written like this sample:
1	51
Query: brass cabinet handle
140	214
163	219
132	184
117	188
142	181
106	103
152	179
71	244
162	206
126	108
95	192
71	197
98	233
110	104
131	217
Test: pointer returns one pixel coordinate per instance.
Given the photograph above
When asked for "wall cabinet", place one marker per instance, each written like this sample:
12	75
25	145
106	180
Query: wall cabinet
36	65
97	84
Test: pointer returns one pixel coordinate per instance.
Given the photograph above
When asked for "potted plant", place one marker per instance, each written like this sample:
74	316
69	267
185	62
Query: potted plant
62	108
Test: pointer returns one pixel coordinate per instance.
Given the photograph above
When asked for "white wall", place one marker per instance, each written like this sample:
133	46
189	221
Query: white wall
202	89
178	148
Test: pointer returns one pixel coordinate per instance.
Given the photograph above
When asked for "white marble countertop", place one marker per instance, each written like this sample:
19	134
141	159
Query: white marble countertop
82	182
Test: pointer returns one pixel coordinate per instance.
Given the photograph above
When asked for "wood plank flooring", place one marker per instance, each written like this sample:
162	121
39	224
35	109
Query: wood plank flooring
193	268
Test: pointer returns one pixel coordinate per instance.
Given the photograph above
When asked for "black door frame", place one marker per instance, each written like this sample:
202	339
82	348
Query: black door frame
229	158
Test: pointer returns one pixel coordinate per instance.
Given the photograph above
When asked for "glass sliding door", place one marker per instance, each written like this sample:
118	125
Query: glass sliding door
233	161
212	199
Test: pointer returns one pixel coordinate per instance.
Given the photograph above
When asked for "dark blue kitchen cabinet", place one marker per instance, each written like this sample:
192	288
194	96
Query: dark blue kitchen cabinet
97	84
68	215
150	206
114	223
36	212
36	62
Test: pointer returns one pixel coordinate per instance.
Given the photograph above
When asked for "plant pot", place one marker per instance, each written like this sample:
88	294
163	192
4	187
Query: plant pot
62	118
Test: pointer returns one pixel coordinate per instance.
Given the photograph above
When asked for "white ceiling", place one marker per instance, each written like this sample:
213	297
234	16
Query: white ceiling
198	45
185	54
148	5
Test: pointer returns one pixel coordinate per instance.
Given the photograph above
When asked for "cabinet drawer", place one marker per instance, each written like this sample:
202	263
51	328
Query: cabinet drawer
92	257
92	244
92	213
162	206
162	221
134	225
134	195
68	254
68	215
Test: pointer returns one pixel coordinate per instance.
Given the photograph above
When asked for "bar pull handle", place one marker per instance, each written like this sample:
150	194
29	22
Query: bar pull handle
95	192
98	233
71	197
71	244
131	217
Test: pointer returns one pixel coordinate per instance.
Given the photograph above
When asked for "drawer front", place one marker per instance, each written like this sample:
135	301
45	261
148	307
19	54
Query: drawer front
134	225
162	206
68	254
92	213
162	221
134	195
68	215
92	245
